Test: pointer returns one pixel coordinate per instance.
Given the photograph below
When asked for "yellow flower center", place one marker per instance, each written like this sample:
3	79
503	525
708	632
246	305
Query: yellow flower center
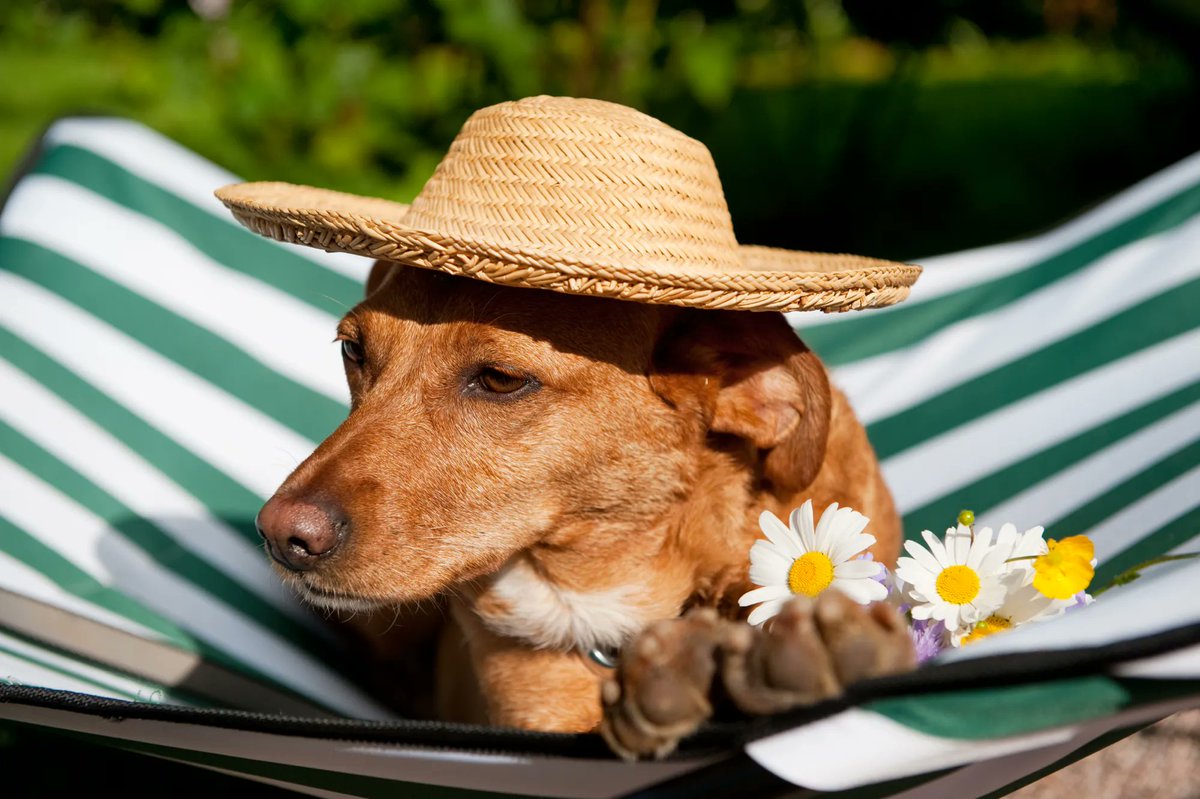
1066	568
990	625
958	585
810	574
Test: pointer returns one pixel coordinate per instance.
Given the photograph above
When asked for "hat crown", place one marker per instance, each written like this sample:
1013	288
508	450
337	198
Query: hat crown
581	181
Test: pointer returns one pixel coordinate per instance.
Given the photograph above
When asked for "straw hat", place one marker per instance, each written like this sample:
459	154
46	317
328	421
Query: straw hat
581	197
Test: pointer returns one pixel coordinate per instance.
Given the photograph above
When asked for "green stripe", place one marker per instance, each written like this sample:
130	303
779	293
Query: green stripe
1125	493
69	577
990	491
157	544
997	712
224	497
1178	531
196	349
123	694
222	240
1119	336
863	336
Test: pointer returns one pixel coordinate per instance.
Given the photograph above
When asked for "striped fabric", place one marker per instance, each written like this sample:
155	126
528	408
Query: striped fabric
162	369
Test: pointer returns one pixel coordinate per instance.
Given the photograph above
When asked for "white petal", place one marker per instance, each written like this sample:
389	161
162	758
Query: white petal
823	526
1007	534
801	522
925	590
766	610
767	565
921	555
1027	604
857	569
846	547
778	534
764	594
1031	542
958	543
990	598
862	591
937	549
980	547
916	575
848	522
922	612
993	560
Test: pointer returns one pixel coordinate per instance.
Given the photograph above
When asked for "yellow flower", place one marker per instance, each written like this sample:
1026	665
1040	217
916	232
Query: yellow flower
989	626
1066	568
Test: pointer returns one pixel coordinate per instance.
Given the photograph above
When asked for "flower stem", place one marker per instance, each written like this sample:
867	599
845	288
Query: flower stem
1134	572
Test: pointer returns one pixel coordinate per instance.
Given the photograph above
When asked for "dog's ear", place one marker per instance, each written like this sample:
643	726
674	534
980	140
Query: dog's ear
748	375
379	273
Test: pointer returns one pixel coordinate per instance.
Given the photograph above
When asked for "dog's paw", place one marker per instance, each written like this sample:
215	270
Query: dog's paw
811	650
660	692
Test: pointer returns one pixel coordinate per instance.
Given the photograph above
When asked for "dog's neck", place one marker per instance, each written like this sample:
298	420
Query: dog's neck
597	584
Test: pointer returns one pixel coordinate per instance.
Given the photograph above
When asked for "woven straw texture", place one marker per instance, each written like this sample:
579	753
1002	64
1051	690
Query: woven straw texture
581	197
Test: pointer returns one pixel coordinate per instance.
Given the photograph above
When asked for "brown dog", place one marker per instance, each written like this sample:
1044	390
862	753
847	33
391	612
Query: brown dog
569	474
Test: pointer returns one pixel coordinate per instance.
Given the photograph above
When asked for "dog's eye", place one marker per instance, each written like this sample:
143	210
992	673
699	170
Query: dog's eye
352	351
498	381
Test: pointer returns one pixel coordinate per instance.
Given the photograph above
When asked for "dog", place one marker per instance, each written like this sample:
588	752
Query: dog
527	480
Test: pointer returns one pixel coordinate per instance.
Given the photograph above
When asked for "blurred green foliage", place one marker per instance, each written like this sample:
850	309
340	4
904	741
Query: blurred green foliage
897	129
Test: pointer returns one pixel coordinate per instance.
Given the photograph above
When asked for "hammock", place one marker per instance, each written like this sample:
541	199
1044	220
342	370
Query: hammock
162	369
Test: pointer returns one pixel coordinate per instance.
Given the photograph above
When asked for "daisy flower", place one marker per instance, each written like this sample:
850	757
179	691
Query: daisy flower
801	559
960	581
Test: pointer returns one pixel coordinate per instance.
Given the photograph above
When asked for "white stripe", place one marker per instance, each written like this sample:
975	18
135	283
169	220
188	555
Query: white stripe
947	274
978	448
249	446
832	754
1074	487
92	545
78	442
287	335
160	161
1142	517
19	671
19	578
1182	664
887	384
145	691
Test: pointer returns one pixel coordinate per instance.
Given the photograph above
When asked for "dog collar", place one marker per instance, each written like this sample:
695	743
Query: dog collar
607	658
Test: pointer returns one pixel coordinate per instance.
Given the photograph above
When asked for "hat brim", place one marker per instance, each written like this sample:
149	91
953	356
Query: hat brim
770	279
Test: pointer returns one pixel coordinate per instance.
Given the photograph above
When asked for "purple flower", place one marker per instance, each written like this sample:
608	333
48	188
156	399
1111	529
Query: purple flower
1082	600
929	638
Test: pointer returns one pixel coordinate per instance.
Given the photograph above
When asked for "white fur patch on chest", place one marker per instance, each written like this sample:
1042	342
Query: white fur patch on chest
550	617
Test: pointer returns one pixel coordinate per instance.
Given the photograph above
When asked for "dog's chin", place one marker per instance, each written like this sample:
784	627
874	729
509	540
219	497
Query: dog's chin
324	599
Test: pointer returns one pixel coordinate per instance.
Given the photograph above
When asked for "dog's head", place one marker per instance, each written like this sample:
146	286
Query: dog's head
489	420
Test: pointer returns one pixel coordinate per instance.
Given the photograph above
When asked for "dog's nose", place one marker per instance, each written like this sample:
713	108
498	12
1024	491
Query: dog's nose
299	534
